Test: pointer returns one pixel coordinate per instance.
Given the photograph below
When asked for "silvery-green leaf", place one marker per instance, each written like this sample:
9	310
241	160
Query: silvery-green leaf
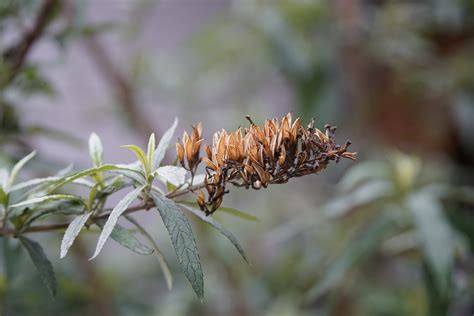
163	145
113	218
40	181
72	231
183	241
88	172
151	150
125	238
224	231
95	150
132	171
41	199
41	262
16	168
174	175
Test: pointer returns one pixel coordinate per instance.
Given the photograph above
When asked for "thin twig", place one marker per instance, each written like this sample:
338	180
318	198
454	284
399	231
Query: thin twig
15	56
61	226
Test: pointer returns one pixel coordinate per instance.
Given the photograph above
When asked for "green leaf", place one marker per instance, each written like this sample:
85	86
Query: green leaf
183	241
41	262
159	255
174	175
151	149
91	171
113	218
163	145
140	155
41	199
72	231
436	236
228	210
16	168
224	231
33	182
126	239
95	150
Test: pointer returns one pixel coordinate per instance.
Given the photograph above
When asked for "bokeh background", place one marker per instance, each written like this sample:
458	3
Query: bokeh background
389	234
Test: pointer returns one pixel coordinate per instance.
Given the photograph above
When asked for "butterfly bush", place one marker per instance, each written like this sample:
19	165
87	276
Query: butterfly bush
256	156
252	157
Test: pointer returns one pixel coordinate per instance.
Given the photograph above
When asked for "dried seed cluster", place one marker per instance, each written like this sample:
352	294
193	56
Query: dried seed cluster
256	156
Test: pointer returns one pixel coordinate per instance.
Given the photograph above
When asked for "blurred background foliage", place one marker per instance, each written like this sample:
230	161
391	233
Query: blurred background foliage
391	234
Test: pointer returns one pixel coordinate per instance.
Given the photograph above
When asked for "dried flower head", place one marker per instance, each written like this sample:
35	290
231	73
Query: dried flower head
189	149
257	156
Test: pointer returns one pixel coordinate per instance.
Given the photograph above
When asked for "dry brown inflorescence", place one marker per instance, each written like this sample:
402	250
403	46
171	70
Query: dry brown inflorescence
256	156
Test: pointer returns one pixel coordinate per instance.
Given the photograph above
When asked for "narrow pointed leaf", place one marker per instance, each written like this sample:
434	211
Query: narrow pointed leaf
16	168
126	239
151	149
140	155
72	231
183	241
42	263
88	172
224	231
52	197
113	218
163	145
95	150
159	255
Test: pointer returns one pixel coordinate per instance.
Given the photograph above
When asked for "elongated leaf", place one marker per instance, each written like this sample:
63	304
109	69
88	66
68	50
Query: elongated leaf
224	231
72	231
174	175
52	197
140	155
151	149
159	255
16	168
132	171
113	218
228	210
42	264
88	172
95	150
183	241
126	239
163	145
33	182
48	180
435	235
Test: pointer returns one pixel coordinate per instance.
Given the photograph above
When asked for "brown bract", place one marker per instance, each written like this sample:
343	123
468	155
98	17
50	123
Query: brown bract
257	156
